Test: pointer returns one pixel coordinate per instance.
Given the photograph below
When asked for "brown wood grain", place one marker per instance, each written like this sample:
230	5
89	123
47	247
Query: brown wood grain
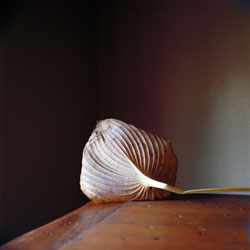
183	222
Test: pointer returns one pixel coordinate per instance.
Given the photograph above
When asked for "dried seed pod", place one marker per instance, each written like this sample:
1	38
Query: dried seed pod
121	162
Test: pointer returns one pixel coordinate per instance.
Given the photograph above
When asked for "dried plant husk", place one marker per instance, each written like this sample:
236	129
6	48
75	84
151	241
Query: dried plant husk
117	159
122	162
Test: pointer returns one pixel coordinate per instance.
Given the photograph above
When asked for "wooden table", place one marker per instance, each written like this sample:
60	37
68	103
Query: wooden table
182	222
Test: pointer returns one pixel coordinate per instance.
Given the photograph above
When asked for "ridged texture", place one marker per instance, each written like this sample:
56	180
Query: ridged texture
115	156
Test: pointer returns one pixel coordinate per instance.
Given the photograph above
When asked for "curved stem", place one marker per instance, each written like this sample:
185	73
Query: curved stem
157	184
205	190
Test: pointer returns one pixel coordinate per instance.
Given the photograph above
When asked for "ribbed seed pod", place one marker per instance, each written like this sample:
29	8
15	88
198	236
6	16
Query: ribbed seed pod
122	162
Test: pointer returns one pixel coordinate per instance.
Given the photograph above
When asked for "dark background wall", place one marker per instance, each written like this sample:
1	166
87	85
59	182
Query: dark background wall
49	75
181	70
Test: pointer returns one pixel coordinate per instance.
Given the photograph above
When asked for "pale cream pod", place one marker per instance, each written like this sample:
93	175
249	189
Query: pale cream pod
122	162
119	162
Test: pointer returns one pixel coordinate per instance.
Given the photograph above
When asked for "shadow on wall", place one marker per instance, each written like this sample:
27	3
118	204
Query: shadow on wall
49	85
181	70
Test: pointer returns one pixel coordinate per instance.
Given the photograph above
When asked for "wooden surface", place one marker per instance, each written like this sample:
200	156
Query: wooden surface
187	222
